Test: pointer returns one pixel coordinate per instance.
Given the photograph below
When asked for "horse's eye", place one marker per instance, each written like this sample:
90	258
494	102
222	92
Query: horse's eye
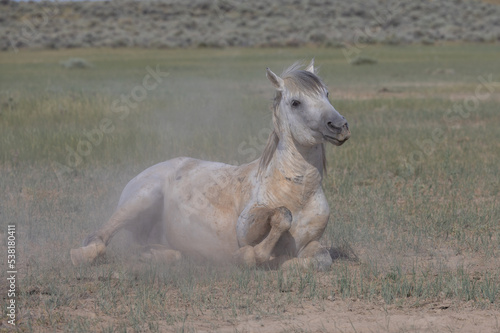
327	94
295	103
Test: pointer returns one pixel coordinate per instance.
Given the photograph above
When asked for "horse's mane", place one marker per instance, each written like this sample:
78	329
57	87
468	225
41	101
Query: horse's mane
295	79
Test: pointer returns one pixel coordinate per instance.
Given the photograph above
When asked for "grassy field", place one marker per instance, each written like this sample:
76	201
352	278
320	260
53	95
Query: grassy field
414	194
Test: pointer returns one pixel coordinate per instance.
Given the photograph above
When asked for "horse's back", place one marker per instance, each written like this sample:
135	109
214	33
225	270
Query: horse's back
153	177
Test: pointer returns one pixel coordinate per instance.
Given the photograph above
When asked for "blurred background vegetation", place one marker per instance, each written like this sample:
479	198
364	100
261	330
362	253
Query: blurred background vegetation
224	23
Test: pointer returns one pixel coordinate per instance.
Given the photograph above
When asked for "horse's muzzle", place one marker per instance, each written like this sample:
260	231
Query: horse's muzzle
338	134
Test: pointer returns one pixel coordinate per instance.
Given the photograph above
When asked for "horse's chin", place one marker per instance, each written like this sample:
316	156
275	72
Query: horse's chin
334	141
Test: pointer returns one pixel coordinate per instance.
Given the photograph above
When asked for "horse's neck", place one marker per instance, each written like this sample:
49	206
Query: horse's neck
301	165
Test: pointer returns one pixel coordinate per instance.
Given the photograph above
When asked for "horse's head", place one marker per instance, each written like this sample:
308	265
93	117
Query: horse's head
302	108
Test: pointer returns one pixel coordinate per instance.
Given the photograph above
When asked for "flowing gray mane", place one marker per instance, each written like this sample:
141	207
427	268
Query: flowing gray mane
296	80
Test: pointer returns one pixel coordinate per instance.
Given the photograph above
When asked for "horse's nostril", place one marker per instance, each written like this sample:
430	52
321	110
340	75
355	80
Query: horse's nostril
332	126
346	125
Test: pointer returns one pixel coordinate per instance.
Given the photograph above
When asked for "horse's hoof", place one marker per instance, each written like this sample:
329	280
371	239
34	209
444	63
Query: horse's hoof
86	254
166	257
282	220
301	264
245	256
77	257
287	214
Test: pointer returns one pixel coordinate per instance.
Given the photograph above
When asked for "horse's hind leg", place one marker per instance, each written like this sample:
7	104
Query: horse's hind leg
280	222
141	204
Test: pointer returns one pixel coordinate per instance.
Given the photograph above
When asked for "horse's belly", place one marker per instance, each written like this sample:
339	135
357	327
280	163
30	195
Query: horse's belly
202	202
201	208
206	234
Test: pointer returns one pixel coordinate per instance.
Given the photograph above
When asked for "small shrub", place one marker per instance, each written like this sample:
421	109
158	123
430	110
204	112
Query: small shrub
391	40
318	37
334	43
120	42
363	61
427	41
78	63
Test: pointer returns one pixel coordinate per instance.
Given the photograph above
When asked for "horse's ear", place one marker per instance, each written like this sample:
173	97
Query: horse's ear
277	82
310	67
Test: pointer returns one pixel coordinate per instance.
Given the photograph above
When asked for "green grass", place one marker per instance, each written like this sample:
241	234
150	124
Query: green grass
423	226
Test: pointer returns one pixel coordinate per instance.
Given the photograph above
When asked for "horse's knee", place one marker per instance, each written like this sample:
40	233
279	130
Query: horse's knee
256	222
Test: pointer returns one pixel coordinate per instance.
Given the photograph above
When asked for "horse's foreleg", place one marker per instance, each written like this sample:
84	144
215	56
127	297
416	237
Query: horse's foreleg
280	222
130	212
308	229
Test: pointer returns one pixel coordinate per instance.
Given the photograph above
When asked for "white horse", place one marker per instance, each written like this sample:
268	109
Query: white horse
270	210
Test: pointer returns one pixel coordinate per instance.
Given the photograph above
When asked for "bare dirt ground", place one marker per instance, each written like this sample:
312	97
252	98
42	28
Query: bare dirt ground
332	314
359	316
346	316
